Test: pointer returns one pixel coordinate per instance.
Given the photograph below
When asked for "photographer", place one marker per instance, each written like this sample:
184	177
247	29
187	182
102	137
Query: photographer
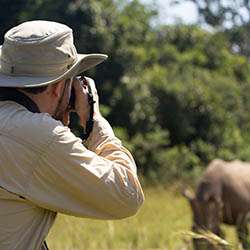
44	168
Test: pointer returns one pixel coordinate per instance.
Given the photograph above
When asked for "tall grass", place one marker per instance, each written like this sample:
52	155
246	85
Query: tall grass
158	225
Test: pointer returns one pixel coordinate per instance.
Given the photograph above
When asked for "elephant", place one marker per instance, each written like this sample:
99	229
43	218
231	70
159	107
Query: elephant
222	196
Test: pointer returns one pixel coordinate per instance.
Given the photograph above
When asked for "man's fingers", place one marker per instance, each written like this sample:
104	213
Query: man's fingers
79	87
77	84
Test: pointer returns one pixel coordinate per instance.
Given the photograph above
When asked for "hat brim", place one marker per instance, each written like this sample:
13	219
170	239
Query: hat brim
83	63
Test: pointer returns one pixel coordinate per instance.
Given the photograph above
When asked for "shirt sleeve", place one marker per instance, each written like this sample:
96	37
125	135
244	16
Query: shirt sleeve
96	182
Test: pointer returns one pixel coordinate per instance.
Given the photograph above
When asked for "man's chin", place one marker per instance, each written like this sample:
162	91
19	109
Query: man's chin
63	117
66	118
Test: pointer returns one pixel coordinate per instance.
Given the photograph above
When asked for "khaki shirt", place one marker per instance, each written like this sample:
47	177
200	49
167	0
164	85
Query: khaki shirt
45	169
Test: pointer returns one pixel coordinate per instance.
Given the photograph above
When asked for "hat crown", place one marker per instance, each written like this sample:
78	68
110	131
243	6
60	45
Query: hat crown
35	32
38	48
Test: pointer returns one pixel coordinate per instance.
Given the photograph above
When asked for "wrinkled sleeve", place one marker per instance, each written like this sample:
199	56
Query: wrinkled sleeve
97	181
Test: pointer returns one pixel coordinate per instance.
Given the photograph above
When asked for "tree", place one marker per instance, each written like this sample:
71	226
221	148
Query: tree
10	18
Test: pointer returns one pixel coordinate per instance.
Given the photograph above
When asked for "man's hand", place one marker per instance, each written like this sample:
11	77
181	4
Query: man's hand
82	107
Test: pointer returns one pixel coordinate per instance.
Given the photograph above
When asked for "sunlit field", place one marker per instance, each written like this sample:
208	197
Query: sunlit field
161	224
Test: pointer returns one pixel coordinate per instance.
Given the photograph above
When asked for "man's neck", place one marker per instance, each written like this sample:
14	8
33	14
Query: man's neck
41	100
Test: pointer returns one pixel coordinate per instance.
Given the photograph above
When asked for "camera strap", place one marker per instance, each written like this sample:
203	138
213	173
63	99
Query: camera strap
8	94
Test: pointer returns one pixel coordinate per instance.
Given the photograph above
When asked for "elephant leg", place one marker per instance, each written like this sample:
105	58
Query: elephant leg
242	231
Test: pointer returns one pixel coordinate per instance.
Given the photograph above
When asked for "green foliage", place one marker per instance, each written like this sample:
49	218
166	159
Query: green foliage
196	92
178	162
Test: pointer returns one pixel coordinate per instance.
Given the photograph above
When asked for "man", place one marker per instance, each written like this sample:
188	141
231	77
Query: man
44	168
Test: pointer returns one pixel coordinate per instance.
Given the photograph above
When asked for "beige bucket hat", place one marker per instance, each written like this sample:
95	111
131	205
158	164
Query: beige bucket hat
38	53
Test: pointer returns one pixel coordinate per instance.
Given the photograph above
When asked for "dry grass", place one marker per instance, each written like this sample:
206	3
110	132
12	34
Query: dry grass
158	226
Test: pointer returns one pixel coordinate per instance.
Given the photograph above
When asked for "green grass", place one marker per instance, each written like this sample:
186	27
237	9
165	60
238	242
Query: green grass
159	225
